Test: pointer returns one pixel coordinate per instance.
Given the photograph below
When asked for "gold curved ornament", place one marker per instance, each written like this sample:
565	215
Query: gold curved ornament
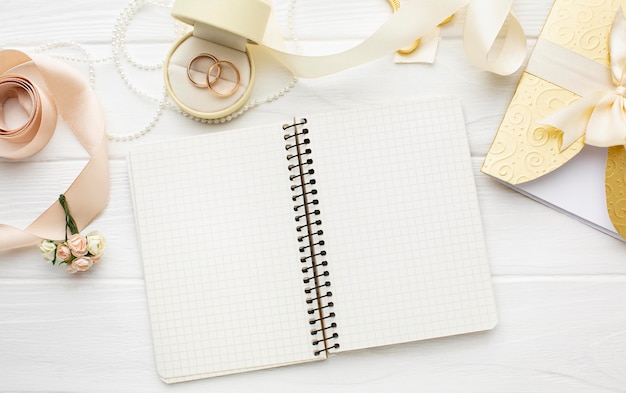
395	5
615	185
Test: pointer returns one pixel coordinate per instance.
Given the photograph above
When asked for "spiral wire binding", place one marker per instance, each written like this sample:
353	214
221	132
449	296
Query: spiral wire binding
315	266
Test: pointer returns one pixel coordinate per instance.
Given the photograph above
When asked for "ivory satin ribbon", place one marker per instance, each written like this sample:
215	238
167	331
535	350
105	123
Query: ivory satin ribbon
45	87
600	114
416	18
484	21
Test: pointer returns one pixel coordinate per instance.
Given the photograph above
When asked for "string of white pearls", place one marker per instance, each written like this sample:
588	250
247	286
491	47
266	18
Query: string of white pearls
120	55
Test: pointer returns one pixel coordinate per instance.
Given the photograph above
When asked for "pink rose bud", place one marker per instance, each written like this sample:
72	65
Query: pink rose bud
77	244
63	252
80	264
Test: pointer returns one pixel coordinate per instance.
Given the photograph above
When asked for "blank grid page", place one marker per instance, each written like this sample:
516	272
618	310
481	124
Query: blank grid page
402	225
221	261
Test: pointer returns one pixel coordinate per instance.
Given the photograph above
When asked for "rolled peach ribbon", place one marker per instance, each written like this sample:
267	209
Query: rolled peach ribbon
44	87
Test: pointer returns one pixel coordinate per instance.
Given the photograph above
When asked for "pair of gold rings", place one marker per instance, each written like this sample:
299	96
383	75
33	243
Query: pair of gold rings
213	74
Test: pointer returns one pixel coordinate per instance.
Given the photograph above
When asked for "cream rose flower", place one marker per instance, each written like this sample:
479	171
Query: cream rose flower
77	244
95	245
48	249
80	264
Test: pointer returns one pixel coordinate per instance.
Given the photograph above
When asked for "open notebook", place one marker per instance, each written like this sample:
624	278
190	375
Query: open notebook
282	244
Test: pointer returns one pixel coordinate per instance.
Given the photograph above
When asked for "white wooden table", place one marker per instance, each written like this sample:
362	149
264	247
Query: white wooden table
560	285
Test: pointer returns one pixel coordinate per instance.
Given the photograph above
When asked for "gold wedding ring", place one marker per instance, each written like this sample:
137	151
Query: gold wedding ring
201	56
214	74
212	81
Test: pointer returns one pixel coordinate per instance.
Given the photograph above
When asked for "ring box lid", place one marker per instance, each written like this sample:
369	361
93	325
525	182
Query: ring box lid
244	18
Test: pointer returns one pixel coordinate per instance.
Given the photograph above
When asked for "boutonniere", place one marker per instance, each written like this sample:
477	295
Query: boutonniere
79	252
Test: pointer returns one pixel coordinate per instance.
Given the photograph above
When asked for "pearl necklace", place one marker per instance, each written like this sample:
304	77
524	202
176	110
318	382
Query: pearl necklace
120	51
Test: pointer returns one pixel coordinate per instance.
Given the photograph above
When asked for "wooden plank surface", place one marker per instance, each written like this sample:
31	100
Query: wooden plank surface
560	285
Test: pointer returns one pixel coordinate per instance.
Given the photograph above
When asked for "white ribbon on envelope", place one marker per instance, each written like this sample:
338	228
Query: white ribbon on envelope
601	114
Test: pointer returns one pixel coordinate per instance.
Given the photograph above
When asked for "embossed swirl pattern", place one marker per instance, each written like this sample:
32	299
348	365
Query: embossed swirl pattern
524	150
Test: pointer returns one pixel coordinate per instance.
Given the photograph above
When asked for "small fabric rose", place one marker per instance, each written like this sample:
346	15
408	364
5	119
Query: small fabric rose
48	249
95	245
80	264
64	253
77	244
78	252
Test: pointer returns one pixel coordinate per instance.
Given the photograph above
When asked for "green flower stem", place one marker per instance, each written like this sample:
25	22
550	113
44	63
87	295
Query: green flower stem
54	260
69	220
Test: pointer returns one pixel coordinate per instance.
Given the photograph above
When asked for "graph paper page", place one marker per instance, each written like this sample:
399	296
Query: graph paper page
221	262
402	225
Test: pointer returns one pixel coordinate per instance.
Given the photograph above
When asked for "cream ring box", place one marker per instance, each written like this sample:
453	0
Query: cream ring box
221	28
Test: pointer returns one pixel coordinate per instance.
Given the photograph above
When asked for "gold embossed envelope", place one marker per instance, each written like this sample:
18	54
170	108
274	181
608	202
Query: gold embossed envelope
562	138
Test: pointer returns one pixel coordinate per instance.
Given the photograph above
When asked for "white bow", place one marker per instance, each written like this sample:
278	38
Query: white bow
600	116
